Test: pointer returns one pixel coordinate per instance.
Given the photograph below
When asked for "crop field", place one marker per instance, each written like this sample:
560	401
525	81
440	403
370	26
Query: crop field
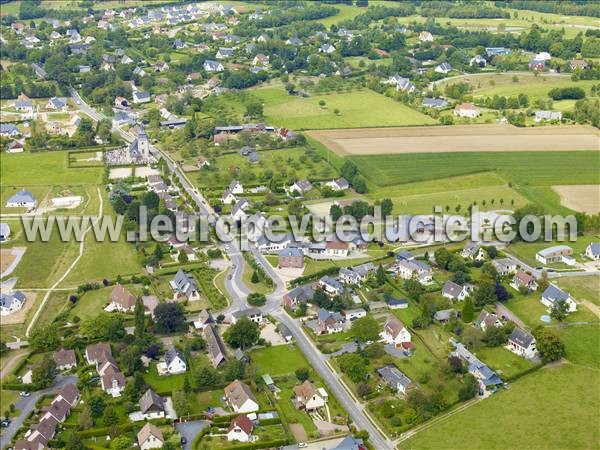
582	198
489	85
465	138
354	109
44	168
568	391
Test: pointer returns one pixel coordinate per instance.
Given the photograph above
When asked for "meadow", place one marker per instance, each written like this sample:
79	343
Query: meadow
536	168
354	109
519	418
582	288
277	360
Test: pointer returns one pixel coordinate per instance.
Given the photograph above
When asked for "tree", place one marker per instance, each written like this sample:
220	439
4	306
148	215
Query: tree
43	374
492	252
140	324
234	370
468	312
130	359
181	403
354	366
122	442
381	275
207	376
322	103
365	329
254	109
335	211
254	279
84	420
363	389
386	207
104	326
485	294
295	208
494	336
256	299
469	389
442	257
559	310
302	374
96	404
75	442
44	338
243	334
169	317
456	364
359	184
414	289
549	344
110	417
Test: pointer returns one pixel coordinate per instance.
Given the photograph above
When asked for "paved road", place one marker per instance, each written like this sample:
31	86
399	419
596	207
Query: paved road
26	406
318	362
189	430
503	311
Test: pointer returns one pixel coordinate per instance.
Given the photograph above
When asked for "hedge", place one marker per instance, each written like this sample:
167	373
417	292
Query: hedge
305	279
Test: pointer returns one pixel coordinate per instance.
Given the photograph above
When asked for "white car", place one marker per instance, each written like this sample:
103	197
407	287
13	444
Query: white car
24	394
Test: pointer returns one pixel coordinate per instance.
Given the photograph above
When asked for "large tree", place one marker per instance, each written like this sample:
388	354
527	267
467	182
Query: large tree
43	374
354	366
365	329
243	334
550	345
169	318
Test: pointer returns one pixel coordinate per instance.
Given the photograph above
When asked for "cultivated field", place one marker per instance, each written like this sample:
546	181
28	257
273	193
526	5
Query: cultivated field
465	138
355	109
582	198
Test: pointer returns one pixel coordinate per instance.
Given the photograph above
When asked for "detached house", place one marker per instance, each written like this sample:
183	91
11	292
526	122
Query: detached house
329	322
22	199
10	303
331	286
592	251
468	110
150	437
252	314
455	291
308	397
141	97
152	405
173	364
522	343
553	295
486	320
240	398
291	257
504	266
556	253
443	68
300	294
523	279
240	429
215	345
395	379
301	187
213	66
121	300
64	359
184	285
425	36
410	269
395	333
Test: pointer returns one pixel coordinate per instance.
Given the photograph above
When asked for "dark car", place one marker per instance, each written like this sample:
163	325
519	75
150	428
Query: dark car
183	440
5	423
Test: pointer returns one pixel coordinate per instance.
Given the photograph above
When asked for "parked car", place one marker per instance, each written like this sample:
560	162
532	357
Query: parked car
24	394
5	423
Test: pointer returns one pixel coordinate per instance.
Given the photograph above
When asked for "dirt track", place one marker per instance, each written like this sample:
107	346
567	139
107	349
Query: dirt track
458	138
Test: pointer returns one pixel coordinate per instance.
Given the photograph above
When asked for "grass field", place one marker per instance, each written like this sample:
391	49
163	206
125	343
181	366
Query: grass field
44	168
582	288
552	408
356	109
526	250
532	168
278	360
582	345
504	362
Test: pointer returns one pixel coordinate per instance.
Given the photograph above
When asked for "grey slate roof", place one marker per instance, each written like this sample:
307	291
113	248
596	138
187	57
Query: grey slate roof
392	376
521	338
555	294
173	353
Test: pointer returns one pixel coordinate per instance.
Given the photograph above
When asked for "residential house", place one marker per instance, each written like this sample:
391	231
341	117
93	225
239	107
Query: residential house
485	376
522	279
4	231
578	64
22	199
547	116
291	257
468	110
300	294
553	295
353	314
396	303
471	250
308	397
301	187
478	60
336	248
408	270
173	364
205	318
437	103
11	302
331	286
9	130
329	322
443	68
121	300
260	60
238	212
150	437
240	429
497	51
68	393
15	147
161	66
537	64
340	184
112	380
215	345
201	162
327	48
240	398
394	379
504	266
395	333
486	320
522	343
444	315
184	285
252	314
96	353
425	36
556	253
213	66
64	359
57	103
455	291
592	251
141	97
224	53
152	405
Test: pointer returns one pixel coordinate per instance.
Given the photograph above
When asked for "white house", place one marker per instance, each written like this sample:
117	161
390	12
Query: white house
10	303
553	295
22	199
240	429
340	184
213	66
252	314
308	397
141	97
331	286
468	110
408	269
394	332
173	364
523	279
395	379
486	320
425	36
592	251
455	291
522	343
326	48
240	398
152	406
443	68
353	314
504	266
150	437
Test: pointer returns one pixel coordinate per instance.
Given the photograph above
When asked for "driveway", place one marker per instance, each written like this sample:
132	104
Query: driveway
26	406
189	430
503	311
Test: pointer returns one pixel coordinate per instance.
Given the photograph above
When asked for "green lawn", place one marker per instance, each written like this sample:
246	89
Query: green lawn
582	288
536	168
553	408
44	168
278	360
582	345
504	362
166	383
298	113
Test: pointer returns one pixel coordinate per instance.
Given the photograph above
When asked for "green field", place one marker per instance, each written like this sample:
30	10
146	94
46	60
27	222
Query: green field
356	109
582	345
277	360
44	168
526	250
553	408
536	168
582	288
